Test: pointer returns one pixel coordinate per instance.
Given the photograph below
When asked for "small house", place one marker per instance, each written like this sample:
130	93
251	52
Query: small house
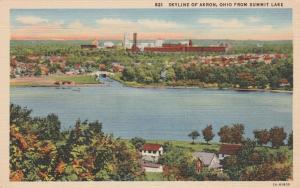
284	82
205	159
228	150
151	152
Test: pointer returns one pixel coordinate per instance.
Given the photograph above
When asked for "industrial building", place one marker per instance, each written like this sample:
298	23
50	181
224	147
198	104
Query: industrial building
159	46
88	46
94	45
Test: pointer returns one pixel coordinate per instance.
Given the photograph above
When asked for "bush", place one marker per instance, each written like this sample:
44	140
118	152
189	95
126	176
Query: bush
266	172
212	175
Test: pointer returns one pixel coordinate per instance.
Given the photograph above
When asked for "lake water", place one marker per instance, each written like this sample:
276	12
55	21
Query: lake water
165	114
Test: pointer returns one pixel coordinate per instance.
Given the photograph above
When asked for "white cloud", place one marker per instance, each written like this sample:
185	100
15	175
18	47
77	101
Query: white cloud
58	22
250	28
75	25
209	28
157	24
266	28
253	19
115	23
138	25
220	23
31	20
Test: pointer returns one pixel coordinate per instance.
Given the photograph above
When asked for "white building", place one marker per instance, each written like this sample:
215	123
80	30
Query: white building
126	42
184	43
158	43
142	45
108	44
95	42
151	152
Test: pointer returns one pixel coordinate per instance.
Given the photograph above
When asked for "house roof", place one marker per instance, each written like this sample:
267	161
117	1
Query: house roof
216	165
283	81
205	157
230	149
151	147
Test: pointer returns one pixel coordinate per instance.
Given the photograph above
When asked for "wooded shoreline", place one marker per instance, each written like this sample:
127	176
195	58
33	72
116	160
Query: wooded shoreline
48	81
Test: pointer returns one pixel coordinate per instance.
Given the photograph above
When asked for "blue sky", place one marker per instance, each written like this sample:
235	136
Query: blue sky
258	24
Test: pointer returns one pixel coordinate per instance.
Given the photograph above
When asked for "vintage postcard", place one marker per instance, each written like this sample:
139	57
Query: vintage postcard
161	93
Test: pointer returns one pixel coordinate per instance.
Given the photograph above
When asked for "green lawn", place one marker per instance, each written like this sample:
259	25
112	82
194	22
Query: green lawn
154	176
78	79
49	80
26	84
187	145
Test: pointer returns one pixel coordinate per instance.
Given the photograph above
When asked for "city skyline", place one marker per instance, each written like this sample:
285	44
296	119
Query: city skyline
111	24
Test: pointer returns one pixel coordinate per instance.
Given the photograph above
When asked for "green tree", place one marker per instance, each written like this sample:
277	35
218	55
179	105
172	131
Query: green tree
39	153
194	135
51	127
290	140
245	79
207	133
19	115
170	74
232	134
234	165
237	132
277	136
230	166
225	134
262	136
207	174
138	142
177	164
245	153
38	71
261	81
266	172
167	146
96	126
129	74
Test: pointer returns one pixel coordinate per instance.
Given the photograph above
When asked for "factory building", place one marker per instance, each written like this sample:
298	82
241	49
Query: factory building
158	43
134	47
88	46
185	46
94	45
127	44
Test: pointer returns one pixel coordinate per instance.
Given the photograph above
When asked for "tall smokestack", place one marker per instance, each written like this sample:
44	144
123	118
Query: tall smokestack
134	39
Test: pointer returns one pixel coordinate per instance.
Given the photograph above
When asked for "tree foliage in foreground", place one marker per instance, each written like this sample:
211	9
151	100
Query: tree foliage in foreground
177	164
80	154
251	164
